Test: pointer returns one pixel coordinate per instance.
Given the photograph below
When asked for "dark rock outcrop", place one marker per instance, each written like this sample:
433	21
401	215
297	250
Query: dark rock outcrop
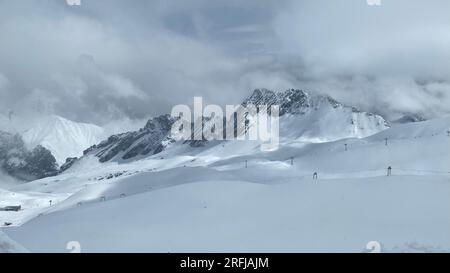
292	101
17	161
156	135
152	139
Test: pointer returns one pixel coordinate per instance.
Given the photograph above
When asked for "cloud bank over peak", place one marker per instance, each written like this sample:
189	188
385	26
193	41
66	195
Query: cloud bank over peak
132	59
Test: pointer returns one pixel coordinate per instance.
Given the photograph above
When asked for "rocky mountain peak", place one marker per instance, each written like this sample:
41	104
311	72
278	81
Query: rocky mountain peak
293	101
304	116
24	164
162	123
151	139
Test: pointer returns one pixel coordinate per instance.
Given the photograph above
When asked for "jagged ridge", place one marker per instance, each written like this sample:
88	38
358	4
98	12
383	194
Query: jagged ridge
303	114
291	101
151	139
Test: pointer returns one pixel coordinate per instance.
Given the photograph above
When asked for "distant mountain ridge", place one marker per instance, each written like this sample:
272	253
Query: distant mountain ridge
317	118
291	101
64	138
151	139
304	117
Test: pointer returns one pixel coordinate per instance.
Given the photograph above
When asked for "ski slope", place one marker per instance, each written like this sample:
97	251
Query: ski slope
326	123
234	216
9	246
206	199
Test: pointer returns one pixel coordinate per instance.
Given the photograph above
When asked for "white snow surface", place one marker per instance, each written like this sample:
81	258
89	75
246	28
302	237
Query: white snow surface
326	124
6	181
9	246
64	138
206	200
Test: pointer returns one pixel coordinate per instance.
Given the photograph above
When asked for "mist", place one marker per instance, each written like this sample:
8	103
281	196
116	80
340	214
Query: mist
109	60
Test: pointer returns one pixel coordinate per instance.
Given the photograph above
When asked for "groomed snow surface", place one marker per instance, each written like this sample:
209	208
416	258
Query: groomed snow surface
9	246
206	200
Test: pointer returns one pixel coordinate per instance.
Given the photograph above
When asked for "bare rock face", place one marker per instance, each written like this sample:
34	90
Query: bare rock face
69	163
302	113
317	118
152	139
292	101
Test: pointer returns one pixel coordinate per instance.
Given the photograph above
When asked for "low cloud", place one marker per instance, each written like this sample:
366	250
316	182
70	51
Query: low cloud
132	59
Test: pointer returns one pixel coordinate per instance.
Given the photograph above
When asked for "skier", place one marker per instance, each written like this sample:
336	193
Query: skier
389	171
315	176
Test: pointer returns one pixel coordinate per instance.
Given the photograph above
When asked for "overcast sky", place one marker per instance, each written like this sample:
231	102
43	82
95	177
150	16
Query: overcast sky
108	59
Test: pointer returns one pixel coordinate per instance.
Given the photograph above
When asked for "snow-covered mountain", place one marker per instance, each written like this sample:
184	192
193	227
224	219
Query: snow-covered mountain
151	139
304	117
198	198
64	138
317	118
210	198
